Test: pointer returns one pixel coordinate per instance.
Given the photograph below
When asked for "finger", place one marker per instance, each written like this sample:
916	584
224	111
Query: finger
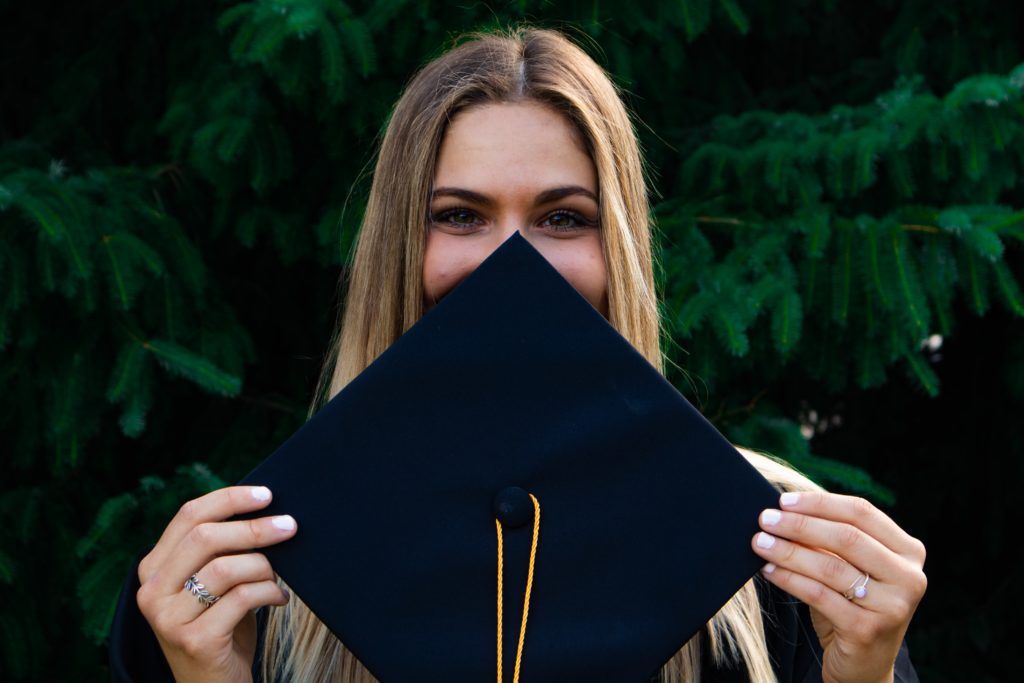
213	507
860	513
840	538
212	539
222	618
825	568
867	641
843	614
218	577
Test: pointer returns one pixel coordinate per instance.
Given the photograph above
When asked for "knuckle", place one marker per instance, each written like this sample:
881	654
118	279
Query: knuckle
919	551
161	623
143	570
920	584
862	507
234	496
903	609
202	535
816	594
142	599
246	593
219	570
833	568
799	522
189	511
265	569
788	551
849	536
256	532
193	643
865	631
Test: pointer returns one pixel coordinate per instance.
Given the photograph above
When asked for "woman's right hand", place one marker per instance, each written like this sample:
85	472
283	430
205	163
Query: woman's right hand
217	642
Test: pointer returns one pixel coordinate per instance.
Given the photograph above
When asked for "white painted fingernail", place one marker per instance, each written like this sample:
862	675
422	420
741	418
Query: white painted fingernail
768	568
771	517
789	498
260	492
765	540
284	522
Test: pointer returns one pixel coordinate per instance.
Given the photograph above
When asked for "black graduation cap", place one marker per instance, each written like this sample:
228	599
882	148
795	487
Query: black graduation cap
512	395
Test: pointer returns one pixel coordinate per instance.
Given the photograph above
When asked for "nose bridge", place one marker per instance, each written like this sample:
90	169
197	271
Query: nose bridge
510	222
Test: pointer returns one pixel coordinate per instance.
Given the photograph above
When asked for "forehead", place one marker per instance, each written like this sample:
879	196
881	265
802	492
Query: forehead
499	144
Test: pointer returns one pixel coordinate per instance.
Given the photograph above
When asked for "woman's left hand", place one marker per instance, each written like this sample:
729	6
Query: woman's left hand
819	547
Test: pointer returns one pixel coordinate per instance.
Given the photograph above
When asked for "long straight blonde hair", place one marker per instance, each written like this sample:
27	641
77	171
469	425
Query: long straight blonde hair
385	289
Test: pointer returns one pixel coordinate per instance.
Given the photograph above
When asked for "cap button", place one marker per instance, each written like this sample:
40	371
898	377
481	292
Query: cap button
513	507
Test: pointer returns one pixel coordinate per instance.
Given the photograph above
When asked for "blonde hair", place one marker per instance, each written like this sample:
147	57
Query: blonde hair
385	289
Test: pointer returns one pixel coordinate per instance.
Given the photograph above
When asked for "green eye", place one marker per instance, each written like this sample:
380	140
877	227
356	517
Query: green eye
446	217
570	220
579	221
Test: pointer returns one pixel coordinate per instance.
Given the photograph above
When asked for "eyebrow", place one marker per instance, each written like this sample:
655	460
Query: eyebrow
544	197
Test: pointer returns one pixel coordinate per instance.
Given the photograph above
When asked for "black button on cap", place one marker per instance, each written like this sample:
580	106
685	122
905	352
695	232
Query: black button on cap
513	507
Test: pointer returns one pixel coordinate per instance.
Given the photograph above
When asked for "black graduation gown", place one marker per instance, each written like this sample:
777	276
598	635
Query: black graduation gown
135	655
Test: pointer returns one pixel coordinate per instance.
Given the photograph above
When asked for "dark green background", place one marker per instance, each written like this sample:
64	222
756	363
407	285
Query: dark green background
835	183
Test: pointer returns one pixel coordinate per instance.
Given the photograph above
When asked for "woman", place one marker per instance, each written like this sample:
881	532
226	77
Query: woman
523	131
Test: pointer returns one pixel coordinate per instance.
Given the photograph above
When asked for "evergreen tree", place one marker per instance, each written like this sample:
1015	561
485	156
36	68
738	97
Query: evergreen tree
839	217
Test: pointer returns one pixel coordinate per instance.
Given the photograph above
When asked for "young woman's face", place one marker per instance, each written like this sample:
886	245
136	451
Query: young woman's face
508	167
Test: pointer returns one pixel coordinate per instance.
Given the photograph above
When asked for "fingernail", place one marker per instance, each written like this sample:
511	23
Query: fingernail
771	517
260	492
765	540
287	593
768	568
789	498
284	522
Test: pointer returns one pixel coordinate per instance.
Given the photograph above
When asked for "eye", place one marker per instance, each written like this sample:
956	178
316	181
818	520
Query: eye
449	216
561	220
576	221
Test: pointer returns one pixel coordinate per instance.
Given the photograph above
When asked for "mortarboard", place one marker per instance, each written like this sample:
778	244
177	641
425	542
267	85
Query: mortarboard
424	475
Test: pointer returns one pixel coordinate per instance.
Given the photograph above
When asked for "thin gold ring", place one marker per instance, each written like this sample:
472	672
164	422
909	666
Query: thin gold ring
859	588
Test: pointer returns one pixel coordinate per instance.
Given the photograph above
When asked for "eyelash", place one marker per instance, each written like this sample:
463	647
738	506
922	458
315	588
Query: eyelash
583	222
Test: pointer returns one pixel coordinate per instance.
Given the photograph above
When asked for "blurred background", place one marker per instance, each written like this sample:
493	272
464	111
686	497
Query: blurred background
837	192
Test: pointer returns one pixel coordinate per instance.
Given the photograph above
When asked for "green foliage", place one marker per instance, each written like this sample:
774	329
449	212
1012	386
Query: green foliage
192	366
104	551
111	256
181	184
774	188
775	434
265	30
